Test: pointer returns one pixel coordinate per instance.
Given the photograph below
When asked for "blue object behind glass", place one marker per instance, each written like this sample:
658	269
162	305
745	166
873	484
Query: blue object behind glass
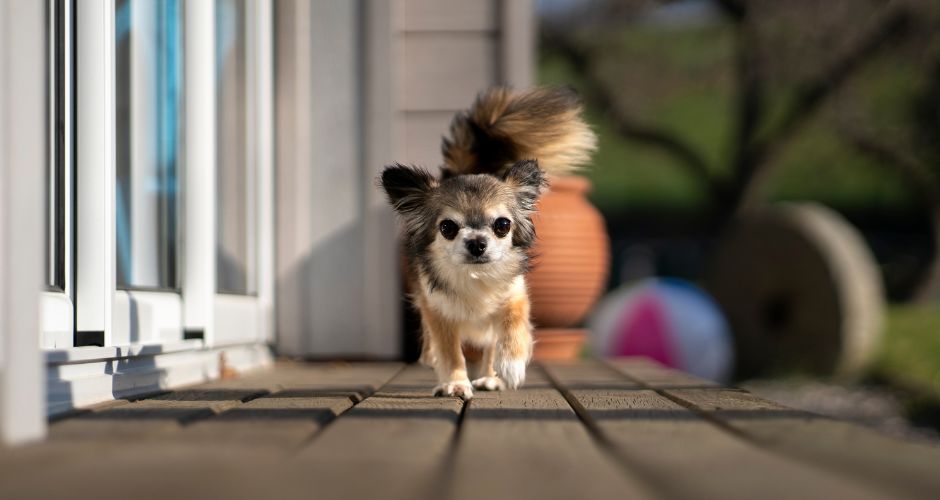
148	92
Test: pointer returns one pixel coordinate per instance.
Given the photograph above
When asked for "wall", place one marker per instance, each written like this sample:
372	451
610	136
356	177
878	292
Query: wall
450	50
360	85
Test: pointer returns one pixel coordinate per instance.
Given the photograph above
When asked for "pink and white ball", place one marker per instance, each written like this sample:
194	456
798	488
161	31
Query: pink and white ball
668	320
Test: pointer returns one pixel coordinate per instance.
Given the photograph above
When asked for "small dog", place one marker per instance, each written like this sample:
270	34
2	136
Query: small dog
468	234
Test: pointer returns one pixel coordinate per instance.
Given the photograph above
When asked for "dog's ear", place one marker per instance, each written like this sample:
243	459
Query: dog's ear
528	180
406	187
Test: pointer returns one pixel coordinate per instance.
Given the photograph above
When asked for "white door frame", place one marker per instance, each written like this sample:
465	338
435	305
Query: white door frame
57	306
180	337
23	153
94	188
233	312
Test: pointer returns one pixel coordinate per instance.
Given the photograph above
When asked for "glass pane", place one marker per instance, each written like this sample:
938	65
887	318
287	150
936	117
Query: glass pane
235	269
149	79
54	193
60	145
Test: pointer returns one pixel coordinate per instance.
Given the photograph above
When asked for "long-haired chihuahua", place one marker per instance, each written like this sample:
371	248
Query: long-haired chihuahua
468	232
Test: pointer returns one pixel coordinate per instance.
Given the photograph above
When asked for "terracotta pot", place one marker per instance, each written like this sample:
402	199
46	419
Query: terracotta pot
562	344
571	255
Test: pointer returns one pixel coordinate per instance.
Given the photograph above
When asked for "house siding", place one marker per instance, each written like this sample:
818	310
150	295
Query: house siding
347	106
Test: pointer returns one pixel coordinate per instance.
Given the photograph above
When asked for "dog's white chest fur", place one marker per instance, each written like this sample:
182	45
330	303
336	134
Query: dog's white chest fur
473	300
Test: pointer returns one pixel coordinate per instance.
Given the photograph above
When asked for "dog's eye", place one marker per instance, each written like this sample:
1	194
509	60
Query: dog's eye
449	229
501	226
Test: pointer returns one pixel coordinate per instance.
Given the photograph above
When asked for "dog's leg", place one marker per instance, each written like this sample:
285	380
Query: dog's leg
446	355
513	341
487	379
427	351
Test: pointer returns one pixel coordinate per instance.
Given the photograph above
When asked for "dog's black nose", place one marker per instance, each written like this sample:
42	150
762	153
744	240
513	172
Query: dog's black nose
476	246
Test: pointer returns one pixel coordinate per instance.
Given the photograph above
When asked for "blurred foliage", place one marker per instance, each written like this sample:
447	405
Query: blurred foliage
819	166
681	79
910	353
870	144
624	175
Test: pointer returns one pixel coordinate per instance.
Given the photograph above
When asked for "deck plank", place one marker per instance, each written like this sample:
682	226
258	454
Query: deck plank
529	443
640	431
902	468
392	445
905	468
303	399
307	397
150	418
232	456
356	380
655	376
682	455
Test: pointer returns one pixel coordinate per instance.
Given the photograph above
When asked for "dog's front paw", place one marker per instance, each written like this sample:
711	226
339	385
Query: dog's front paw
459	388
512	371
489	384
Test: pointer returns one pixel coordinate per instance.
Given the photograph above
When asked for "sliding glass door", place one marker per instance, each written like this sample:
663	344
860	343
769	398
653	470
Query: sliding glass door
159	203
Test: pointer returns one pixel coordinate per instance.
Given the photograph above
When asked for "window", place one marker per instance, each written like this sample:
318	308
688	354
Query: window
235	187
164	172
60	128
57	302
148	96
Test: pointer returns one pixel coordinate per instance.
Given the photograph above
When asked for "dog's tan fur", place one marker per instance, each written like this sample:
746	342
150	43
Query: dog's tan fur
503	127
489	174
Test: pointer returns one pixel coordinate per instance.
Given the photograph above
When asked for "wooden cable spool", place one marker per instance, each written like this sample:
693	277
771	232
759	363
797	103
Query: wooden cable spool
801	292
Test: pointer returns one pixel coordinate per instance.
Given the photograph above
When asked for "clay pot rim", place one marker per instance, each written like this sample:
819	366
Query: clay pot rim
570	183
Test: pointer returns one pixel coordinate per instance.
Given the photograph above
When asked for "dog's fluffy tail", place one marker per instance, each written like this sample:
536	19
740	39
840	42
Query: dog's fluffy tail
503	127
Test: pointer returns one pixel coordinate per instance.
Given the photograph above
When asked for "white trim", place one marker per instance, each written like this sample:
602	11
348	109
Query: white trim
23	153
83	354
77	384
146	317
57	308
264	151
56	326
94	67
199	168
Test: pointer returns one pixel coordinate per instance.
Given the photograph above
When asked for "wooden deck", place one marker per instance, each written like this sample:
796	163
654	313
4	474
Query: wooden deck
627	429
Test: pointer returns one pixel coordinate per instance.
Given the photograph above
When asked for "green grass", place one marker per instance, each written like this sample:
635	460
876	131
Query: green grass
910	352
680	81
